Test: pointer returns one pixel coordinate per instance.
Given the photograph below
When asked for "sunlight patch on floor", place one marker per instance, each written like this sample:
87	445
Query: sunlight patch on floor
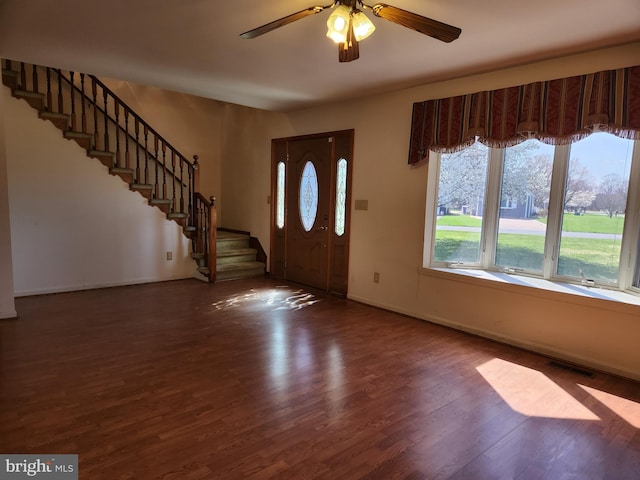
628	410
279	298
532	393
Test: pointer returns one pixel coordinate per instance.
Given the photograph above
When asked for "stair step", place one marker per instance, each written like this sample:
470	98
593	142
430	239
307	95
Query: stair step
108	159
163	204
239	270
178	217
231	241
125	174
36	100
60	120
145	190
236	255
83	139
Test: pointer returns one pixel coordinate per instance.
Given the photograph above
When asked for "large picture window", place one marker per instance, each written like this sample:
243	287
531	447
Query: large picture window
566	212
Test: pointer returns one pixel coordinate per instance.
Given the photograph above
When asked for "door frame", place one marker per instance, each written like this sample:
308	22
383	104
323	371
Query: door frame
337	273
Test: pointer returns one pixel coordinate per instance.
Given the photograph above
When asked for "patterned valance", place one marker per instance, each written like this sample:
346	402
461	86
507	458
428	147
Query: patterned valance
555	112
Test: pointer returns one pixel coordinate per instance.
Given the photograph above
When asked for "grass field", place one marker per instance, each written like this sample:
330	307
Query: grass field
589	222
597	258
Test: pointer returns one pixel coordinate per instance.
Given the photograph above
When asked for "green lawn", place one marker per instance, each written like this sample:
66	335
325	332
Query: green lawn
589	222
460	221
597	258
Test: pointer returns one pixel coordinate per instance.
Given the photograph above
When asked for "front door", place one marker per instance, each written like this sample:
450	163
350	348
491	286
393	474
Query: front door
310	227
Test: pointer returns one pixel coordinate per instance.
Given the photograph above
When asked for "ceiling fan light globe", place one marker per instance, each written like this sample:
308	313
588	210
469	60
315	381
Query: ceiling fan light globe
362	26
338	24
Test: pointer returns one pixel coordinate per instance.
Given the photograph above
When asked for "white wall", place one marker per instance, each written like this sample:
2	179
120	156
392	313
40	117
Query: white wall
7	304
388	238
74	226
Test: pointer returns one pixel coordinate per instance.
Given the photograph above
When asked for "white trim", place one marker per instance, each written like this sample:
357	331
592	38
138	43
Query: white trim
8	314
93	286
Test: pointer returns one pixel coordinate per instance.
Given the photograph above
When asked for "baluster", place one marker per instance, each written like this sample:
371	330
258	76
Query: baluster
106	121
195	183
84	102
94	88
192	218
146	158
73	101
181	184
9	64
23	76
155	136
116	106
164	170
137	128
127	160
48	107
34	71
60	99
173	176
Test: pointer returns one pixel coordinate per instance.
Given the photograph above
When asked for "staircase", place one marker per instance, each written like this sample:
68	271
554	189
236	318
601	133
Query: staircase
89	113
235	258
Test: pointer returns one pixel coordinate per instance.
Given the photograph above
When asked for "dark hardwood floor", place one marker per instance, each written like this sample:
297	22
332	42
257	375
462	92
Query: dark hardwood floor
258	379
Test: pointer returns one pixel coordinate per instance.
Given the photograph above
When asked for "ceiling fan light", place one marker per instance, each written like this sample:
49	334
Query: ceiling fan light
338	24
362	26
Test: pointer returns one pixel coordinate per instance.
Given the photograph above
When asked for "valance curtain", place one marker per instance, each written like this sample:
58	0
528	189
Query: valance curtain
555	112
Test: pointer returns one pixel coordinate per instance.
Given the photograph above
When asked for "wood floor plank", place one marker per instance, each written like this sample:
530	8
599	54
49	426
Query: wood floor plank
260	379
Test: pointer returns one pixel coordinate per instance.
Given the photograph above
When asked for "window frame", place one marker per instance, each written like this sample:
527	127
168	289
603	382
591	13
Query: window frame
629	264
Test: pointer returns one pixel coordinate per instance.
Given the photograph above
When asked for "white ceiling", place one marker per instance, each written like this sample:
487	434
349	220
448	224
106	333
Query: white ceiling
193	46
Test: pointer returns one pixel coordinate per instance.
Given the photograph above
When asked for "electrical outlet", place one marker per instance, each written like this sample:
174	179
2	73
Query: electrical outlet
169	256
376	277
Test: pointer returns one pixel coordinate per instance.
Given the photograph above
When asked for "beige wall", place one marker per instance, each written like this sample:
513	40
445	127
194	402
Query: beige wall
7	304
388	237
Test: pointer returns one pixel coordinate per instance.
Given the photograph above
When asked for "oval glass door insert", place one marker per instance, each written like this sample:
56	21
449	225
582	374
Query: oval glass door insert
308	202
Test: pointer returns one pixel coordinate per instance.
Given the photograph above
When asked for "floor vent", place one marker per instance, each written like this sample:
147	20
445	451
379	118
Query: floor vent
571	368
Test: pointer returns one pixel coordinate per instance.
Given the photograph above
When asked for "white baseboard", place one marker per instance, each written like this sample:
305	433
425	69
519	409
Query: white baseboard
93	286
5	314
530	346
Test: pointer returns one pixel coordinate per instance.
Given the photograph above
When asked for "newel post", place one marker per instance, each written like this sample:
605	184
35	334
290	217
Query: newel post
213	233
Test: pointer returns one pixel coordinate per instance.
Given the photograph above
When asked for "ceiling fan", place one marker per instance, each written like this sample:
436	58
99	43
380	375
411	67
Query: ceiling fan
347	25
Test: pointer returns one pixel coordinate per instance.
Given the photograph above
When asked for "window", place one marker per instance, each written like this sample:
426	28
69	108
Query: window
280	195
341	196
461	190
567	212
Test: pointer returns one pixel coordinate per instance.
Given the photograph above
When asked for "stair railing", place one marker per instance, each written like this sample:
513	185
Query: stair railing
114	131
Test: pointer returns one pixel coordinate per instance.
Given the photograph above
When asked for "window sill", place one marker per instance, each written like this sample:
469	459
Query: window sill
592	296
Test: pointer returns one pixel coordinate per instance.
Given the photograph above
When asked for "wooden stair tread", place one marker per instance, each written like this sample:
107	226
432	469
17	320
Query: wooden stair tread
74	134
48	114
178	215
160	201
27	93
121	170
237	251
239	266
141	186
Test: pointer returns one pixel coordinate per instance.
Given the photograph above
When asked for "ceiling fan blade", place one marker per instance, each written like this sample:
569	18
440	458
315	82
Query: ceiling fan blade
283	21
428	26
